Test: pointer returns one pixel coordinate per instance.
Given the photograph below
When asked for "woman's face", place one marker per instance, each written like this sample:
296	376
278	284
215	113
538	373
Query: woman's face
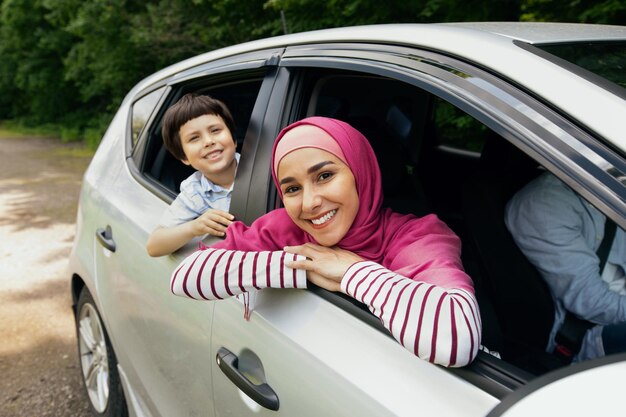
319	194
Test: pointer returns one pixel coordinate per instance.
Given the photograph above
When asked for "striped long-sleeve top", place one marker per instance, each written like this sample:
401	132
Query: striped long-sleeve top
436	324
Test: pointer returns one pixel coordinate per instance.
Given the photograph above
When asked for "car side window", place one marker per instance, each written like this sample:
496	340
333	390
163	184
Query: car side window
238	94
436	158
142	110
406	126
458	129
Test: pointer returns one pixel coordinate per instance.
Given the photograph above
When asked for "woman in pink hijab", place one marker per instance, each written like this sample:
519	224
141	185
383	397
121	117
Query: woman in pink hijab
333	232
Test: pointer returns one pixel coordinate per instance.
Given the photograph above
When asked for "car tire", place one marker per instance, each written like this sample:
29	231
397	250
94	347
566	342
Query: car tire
98	363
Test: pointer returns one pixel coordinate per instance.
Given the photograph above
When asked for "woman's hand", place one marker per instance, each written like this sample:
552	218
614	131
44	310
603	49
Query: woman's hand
325	266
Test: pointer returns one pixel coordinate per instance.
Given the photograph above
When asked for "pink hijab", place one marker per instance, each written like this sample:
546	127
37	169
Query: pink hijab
405	244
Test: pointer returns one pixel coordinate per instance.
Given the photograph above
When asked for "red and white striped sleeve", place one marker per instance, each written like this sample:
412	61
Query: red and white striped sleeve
214	274
439	325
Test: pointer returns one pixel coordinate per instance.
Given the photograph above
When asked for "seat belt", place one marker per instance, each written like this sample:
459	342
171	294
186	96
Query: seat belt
607	241
569	338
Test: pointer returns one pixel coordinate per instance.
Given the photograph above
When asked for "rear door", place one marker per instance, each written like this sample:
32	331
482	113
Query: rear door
163	341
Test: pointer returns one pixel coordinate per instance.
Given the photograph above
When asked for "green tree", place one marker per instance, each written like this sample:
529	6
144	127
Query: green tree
171	30
33	86
103	62
302	15
583	11
72	61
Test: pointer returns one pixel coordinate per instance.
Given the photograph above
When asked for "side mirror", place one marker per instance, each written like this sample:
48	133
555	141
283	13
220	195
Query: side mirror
591	388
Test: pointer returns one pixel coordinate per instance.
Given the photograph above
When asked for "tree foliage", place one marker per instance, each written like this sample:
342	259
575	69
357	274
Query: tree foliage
32	80
70	62
585	11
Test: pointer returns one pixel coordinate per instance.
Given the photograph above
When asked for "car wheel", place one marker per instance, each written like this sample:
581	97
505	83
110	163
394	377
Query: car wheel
97	361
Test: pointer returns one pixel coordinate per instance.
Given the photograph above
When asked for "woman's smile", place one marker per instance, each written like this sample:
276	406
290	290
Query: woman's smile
322	221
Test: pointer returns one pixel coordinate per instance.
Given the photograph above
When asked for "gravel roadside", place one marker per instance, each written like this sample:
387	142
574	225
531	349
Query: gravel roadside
39	186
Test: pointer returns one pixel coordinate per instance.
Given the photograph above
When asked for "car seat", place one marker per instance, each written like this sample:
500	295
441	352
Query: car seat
520	296
392	118
169	171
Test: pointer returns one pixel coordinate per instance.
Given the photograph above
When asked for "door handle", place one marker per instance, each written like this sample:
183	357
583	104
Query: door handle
105	237
263	394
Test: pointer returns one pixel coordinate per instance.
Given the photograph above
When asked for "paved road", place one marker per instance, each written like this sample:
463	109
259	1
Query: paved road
39	187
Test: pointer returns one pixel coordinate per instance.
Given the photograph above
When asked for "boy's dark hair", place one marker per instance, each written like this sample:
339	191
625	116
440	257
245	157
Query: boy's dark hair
189	107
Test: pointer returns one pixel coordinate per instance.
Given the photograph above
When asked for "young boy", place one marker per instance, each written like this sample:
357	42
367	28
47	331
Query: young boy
197	130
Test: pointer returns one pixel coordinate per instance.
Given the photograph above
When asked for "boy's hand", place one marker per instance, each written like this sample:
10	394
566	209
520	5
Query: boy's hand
212	222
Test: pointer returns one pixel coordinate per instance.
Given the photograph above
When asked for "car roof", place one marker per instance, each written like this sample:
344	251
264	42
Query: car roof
544	32
578	97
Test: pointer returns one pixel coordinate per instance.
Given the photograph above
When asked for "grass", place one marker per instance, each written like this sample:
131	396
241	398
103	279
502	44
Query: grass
9	128
89	137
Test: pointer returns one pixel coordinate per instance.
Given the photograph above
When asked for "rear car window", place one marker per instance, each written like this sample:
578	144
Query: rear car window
458	130
239	94
142	109
604	59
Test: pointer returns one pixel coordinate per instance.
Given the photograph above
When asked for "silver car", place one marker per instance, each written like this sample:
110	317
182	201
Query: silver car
460	116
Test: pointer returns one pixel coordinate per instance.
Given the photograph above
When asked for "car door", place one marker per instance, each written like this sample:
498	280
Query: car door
163	342
310	352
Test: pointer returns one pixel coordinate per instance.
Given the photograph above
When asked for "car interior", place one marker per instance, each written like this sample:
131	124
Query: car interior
434	158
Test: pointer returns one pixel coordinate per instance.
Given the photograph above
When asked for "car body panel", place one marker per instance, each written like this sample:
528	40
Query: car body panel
142	314
544	32
318	357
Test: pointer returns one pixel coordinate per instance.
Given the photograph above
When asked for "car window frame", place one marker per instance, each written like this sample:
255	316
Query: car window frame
487	372
444	77
258	63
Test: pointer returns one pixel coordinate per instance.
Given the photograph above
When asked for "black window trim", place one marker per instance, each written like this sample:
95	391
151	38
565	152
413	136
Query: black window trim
252	59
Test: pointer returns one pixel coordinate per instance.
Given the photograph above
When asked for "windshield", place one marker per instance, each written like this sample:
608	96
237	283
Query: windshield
605	59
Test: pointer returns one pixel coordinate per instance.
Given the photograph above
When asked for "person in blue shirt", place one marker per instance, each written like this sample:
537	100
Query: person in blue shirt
197	130
560	232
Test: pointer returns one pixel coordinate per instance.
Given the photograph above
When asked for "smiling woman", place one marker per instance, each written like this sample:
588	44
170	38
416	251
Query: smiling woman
334	232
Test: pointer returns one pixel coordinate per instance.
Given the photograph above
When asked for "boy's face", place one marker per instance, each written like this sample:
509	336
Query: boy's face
209	147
